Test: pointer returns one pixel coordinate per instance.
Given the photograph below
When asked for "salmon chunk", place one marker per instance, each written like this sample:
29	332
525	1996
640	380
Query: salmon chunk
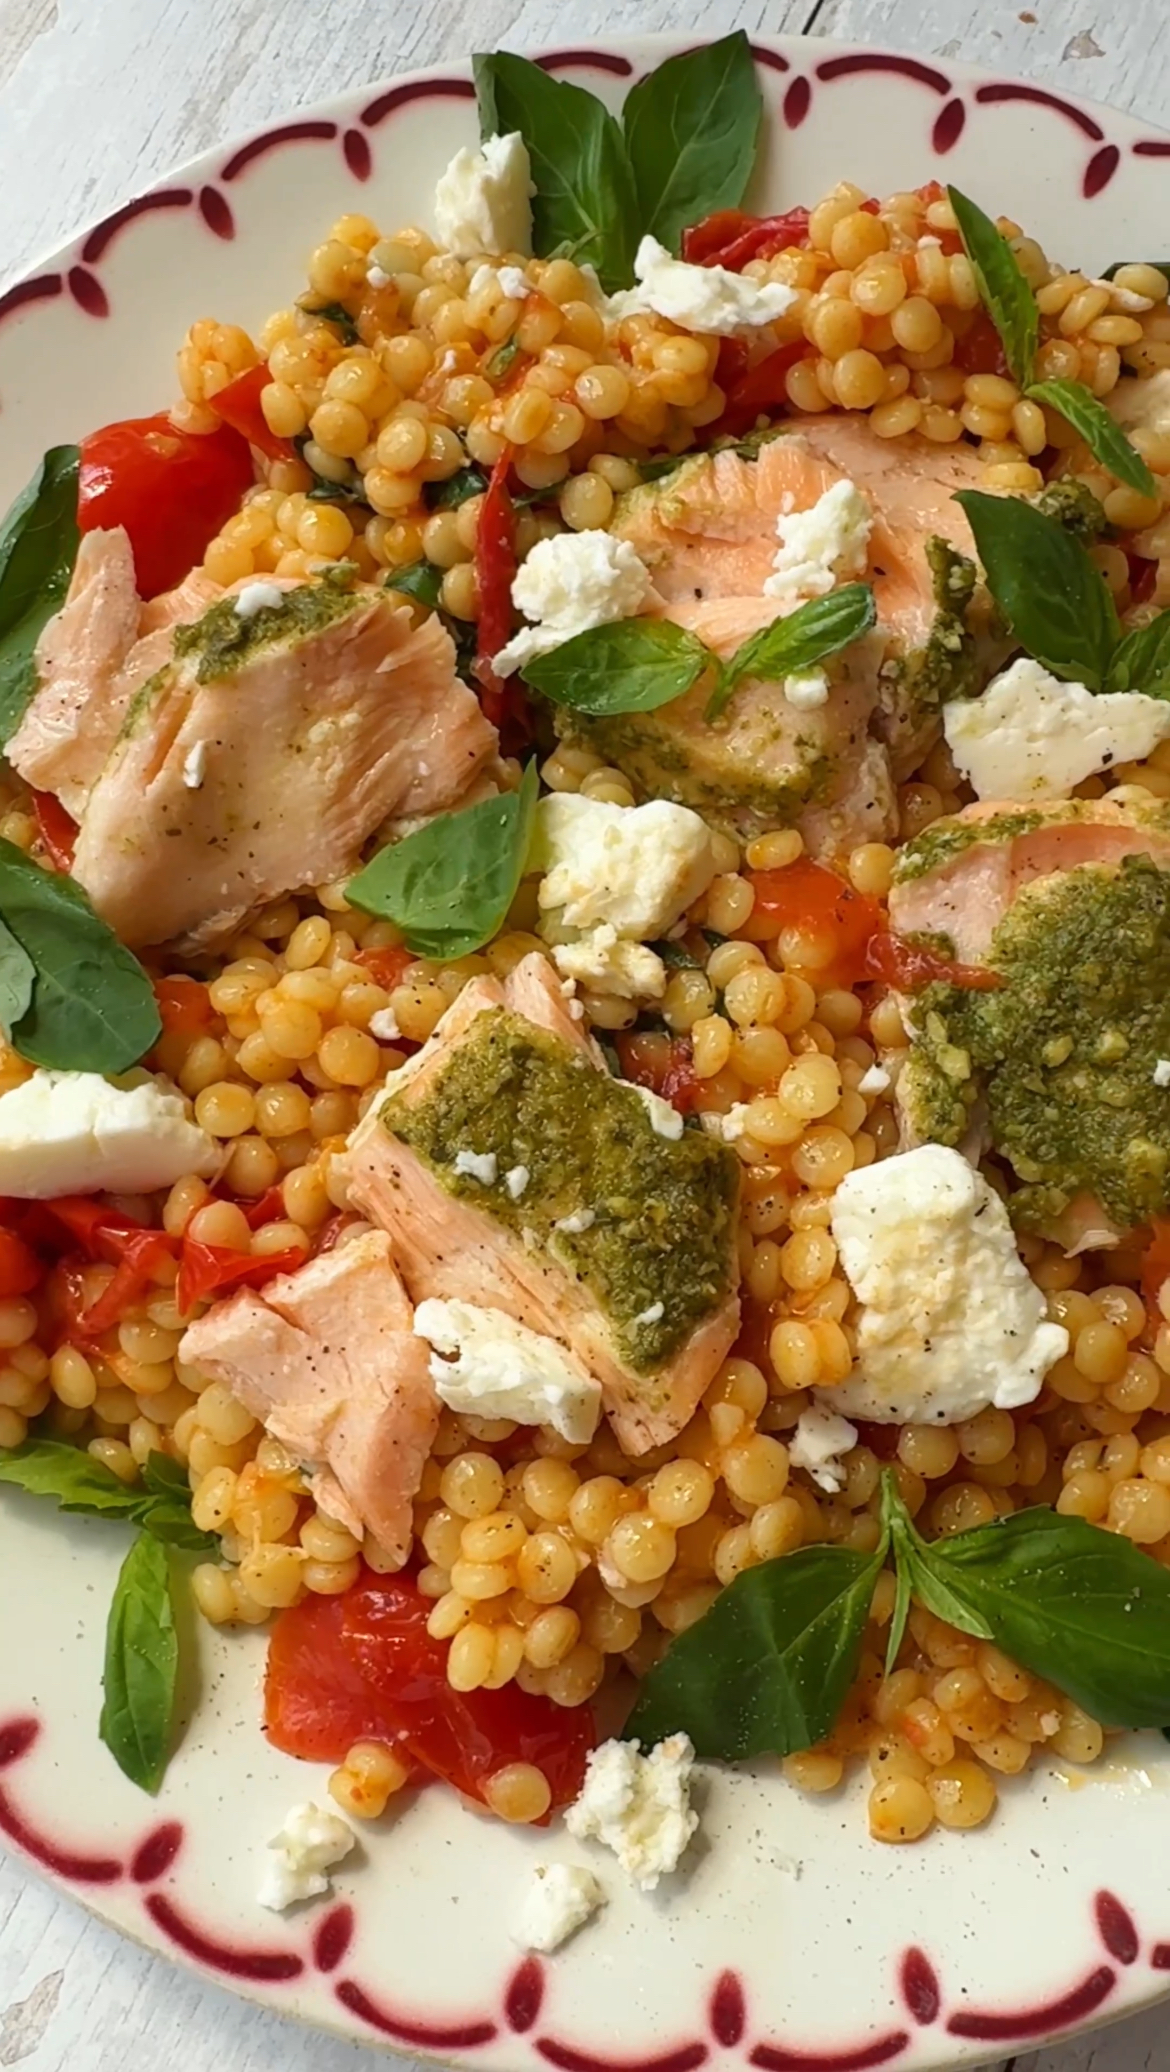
265	751
512	1172
326	1358
76	713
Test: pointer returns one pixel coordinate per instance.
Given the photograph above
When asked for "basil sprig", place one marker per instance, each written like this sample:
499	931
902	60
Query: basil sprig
449	886
768	1668
793	645
38	547
685	146
88	1005
1011	305
77	1482
631	665
141	1669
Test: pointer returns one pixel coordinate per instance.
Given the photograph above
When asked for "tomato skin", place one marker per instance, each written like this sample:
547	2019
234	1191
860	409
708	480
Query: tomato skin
909	966
729	238
209	1269
808	896
134	1274
20	1269
171	490
761	390
184	1006
56	828
238	405
386	967
316	1703
980	350
495	568
665	1066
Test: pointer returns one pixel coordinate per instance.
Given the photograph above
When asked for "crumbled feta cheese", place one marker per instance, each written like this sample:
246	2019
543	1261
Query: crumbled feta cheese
257	597
951	1320
1124	299
568	584
308	1844
513	283
377	277
77	1133
708	299
608	965
732	1126
483	1166
818	1445
818	546
487	1365
653	1315
580	1220
807	692
617	875
875	1080
384	1025
1143	403
1162	1072
561	1898
1032	737
483	202
195	766
516	1180
638	1805
665	1120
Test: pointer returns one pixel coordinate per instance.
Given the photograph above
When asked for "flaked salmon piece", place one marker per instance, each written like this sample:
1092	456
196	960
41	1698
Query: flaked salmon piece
74	717
190	599
327	1359
261	757
514	1228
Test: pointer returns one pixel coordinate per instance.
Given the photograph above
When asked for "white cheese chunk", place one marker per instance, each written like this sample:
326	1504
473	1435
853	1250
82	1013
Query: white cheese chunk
708	299
483	202
377	277
1032	737
561	1898
516	1180
512	283
308	1844
257	597
951	1320
820	546
77	1133
818	1445
384	1025
607	964
665	1120
1162	1072
638	1805
612	877
487	1365
874	1080
652	1315
195	766
1124	300
483	1166
581	1219
1143	403
807	692
568	584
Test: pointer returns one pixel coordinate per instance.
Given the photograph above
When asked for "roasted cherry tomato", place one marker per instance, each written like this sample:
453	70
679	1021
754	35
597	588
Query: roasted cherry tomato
980	349
239	405
665	1064
208	1269
495	569
56	828
910	965
821	905
183	1005
171	490
20	1269
386	966
759	391
316	1703
141	1255
729	238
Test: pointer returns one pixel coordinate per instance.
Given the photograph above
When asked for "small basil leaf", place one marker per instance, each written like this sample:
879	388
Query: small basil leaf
334	313
633	665
1004	292
902	1596
1102	435
166	1477
793	645
691	131
16	979
1056	602
447	496
421	580
93	1008
585	205
1142	662
169	1520
767	1669
141	1665
47	1467
449	886
503	359
38	547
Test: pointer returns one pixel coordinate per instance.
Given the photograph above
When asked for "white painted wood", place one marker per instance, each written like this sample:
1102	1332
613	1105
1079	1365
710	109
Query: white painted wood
96	100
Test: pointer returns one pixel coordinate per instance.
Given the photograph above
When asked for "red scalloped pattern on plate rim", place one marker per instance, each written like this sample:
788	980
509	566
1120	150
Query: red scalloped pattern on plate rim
725	2025
795	103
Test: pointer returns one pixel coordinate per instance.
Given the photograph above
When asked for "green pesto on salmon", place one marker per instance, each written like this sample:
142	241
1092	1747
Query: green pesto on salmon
223	641
657	1247
949	665
742	781
946	840
1063	1054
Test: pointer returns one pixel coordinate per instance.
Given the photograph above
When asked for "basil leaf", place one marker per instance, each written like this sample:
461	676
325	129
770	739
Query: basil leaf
1057	603
334	313
691	131
447	496
1004	292
93	1008
169	1519
793	645
503	358
585	205
632	665
1142	661
449	886
1102	435
141	1666
166	1477
421	580
767	1669
16	979
47	1467
38	547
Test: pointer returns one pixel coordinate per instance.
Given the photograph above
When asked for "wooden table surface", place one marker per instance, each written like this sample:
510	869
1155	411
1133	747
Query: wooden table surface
98	98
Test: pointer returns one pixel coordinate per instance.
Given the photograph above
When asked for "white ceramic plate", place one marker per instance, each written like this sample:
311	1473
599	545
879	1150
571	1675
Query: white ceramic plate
791	1943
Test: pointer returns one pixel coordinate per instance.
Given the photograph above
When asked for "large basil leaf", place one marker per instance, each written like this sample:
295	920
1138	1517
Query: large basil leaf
1142	661
17	978
585	205
141	1665
1005	293
93	1008
449	886
49	1467
768	1668
1101	433
38	547
632	665
793	645
691	131
1057	603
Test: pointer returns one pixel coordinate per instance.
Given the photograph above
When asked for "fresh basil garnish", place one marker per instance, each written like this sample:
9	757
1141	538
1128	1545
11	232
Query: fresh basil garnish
1141	662
420	580
1055	600
1100	432
793	645
141	1665
17	978
92	1007
691	130
334	313
449	886
503	359
38	547
447	496
631	665
77	1482
585	205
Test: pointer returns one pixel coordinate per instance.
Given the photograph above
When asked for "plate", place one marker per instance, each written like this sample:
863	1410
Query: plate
791	1942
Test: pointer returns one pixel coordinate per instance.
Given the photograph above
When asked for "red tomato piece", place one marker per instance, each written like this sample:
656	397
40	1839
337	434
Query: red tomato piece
761	391
665	1065
1156	1262
728	238
135	1273
56	828
316	1702
386	966
495	568
171	490
239	405
265	1209
909	966
818	902
980	350
20	1269
208	1269
1143	576
183	1005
